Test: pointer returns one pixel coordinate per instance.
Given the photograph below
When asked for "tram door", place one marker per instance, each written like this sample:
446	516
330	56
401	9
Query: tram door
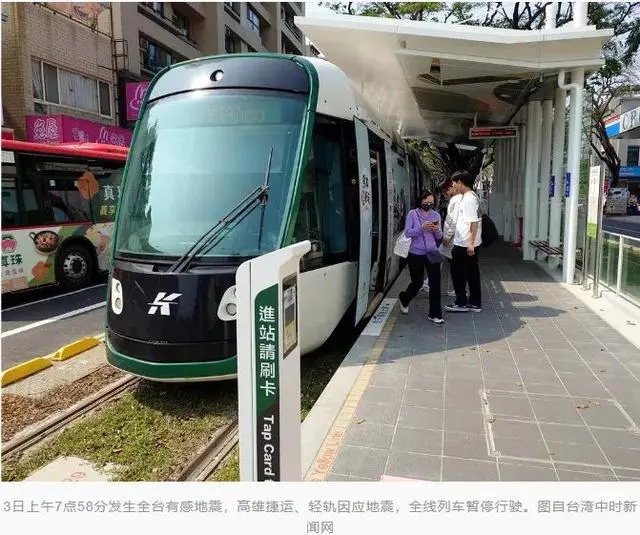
366	219
376	214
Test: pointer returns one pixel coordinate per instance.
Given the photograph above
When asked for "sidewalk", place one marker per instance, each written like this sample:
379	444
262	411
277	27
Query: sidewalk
536	387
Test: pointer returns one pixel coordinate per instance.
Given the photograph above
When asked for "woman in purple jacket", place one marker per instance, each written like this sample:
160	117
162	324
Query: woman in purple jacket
424	229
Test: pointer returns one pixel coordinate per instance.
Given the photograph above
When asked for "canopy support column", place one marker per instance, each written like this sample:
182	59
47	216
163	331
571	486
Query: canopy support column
545	169
573	172
534	133
557	183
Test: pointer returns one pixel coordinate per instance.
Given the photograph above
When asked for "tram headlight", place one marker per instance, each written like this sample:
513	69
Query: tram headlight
231	309
117	296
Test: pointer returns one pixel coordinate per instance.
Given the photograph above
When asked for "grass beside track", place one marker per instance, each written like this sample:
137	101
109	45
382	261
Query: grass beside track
151	433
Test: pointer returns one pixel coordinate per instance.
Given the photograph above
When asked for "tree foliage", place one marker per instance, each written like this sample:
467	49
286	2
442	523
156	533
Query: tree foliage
604	86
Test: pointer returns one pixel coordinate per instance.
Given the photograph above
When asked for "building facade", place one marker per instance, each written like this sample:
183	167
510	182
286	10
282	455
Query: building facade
78	71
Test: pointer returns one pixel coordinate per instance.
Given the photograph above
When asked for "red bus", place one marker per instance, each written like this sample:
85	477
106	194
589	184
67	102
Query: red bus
58	206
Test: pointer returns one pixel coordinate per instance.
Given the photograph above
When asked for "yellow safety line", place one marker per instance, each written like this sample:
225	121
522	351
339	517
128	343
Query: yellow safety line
327	454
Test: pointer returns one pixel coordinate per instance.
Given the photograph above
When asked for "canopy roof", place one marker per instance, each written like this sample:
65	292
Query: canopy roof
431	80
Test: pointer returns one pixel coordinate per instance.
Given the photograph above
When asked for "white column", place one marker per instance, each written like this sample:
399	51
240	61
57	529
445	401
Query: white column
545	169
519	208
573	175
557	173
550	13
534	131
508	192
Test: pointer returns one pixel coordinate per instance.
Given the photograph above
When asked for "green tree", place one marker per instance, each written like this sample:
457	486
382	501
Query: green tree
603	86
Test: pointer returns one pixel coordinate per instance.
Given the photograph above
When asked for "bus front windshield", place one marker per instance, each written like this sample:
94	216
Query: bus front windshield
195	157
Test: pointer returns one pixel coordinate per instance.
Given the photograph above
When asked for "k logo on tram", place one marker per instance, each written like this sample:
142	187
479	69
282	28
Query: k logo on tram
163	302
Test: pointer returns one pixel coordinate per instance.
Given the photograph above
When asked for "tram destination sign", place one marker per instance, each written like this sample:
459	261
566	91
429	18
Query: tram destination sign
493	132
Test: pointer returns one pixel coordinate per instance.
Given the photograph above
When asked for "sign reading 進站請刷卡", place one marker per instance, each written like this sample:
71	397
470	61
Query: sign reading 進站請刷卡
267	385
269	365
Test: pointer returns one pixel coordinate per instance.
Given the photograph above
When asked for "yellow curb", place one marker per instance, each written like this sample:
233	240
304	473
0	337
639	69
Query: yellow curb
35	365
24	370
73	349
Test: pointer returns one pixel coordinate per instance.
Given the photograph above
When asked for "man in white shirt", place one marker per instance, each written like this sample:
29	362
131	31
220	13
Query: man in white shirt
466	241
450	189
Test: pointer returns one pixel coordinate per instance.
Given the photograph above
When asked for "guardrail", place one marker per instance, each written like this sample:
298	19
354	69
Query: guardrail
620	266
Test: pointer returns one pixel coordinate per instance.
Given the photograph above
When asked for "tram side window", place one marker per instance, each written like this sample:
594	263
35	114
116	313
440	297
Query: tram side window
322	214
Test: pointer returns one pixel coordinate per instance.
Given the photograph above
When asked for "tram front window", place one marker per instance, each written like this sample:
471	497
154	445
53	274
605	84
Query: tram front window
195	157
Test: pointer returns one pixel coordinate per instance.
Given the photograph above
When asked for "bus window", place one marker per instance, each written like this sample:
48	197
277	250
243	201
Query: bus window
67	203
36	211
10	212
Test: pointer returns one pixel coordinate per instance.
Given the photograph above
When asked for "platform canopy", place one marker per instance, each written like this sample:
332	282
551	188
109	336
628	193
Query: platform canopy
431	81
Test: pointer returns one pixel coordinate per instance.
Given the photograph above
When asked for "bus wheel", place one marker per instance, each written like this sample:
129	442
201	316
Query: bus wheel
75	266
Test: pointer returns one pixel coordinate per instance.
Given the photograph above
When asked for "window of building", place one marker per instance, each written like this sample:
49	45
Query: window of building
158	7
233	6
53	85
633	155
230	41
182	24
254	20
154	57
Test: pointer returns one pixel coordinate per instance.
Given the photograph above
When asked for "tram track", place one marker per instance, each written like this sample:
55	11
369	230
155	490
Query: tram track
68	416
214	453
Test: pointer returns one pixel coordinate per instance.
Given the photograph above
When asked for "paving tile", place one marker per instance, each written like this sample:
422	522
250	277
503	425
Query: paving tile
415	440
469	470
623	457
424	398
604	415
465	421
382	394
516	406
578	435
463	398
557	410
368	434
526	472
418	381
465	445
414	465
411	416
503	428
361	462
608	438
569	453
377	413
388	379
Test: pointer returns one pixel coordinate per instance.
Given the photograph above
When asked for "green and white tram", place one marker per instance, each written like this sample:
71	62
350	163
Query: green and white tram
234	156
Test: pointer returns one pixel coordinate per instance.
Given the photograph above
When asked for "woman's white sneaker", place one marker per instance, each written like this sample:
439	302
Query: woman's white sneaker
437	321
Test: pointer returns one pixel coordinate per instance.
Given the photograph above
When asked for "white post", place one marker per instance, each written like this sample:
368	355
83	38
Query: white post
550	13
572	186
508	192
580	14
534	132
522	146
267	329
545	169
556	189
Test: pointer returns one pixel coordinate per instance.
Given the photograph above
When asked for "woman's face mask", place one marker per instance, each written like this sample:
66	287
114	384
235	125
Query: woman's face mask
426	205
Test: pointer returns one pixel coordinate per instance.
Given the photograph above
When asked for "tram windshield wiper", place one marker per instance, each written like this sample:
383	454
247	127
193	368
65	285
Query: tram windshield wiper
258	197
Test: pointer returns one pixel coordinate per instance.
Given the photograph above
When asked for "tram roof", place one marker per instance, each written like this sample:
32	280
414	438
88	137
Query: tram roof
430	80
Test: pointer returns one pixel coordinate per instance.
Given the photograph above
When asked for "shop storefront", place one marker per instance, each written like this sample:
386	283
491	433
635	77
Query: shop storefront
64	128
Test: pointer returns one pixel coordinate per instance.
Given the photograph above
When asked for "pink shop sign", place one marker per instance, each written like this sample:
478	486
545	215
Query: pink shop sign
134	95
62	128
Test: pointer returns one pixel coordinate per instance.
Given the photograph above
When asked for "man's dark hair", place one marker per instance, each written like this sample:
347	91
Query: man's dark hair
465	177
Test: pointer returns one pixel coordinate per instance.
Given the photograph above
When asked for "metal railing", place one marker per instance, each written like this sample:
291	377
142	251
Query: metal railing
620	266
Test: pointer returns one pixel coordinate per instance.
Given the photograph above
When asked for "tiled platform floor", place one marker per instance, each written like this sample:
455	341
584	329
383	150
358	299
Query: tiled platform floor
536	387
